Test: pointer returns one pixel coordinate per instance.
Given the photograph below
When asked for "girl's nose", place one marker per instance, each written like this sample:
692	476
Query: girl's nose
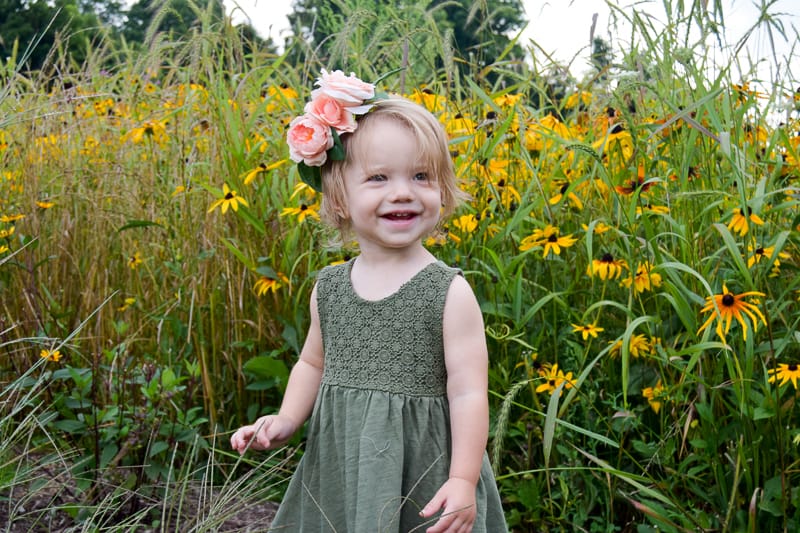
401	191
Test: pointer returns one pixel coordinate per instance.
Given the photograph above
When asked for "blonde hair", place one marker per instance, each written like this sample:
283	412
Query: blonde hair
434	153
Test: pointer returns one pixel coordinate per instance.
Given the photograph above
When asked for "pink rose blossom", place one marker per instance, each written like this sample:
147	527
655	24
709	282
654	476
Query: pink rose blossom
332	113
309	140
347	90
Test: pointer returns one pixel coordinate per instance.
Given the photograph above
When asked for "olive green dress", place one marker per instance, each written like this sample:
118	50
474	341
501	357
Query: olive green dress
378	443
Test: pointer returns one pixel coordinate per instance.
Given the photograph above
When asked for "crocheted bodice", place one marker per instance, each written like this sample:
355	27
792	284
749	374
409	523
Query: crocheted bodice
393	344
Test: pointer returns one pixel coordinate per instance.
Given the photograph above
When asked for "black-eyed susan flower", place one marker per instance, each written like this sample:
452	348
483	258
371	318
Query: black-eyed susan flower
508	100
155	130
607	267
549	239
728	306
43	204
639	346
431	101
570	196
126	304
229	199
465	223
302	212
644	279
279	94
251	174
266	284
457	124
50	355
8	232
3	249
599	228
586	330
10	219
654	396
638	183
740	221
134	261
757	253
786	373
553	378
617	142
544	132
652	209
578	99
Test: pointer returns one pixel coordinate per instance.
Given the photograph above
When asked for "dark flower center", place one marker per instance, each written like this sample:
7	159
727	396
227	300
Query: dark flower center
759	251
607	258
792	368
728	300
564	188
229	196
552	238
303	207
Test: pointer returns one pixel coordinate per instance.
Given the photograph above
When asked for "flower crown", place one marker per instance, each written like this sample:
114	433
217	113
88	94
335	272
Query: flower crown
313	137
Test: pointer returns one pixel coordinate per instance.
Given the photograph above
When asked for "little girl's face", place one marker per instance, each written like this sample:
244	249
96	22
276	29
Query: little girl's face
393	199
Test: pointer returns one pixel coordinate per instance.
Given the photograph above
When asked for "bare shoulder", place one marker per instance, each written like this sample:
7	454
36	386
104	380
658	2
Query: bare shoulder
460	294
462	313
465	351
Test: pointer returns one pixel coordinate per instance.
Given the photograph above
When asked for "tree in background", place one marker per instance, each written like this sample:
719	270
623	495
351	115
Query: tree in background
178	17
36	26
478	32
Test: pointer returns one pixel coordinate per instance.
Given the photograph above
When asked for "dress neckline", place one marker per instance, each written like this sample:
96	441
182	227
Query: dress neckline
358	297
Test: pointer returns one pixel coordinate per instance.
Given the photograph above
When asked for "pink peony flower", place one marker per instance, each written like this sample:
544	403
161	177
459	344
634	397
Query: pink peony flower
332	113
347	90
309	140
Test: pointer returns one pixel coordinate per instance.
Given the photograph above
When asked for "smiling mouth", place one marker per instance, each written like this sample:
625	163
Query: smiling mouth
399	216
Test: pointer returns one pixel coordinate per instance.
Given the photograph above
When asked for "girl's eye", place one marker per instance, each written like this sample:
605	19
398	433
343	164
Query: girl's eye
377	177
421	176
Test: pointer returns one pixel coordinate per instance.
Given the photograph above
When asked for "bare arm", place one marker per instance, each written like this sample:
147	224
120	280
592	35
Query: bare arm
298	401
466	358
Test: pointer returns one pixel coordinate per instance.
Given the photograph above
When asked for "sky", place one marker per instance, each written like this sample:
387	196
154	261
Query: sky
561	27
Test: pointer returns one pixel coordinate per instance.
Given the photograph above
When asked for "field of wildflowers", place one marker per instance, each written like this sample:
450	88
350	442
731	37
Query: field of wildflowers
634	246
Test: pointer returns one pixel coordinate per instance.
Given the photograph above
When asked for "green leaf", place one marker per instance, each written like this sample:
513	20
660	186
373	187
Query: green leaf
265	366
267	272
336	152
238	253
131	224
108	453
70	426
157	447
311	176
550	423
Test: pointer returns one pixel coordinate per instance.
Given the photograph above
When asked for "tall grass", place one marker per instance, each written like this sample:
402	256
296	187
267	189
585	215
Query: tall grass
177	322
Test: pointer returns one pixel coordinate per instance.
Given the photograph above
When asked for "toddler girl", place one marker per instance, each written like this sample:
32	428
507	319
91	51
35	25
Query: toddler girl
393	372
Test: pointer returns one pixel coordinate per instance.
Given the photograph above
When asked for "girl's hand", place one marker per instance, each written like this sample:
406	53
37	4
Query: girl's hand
270	431
456	498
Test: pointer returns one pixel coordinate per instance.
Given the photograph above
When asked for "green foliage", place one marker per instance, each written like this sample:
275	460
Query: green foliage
170	258
38	27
